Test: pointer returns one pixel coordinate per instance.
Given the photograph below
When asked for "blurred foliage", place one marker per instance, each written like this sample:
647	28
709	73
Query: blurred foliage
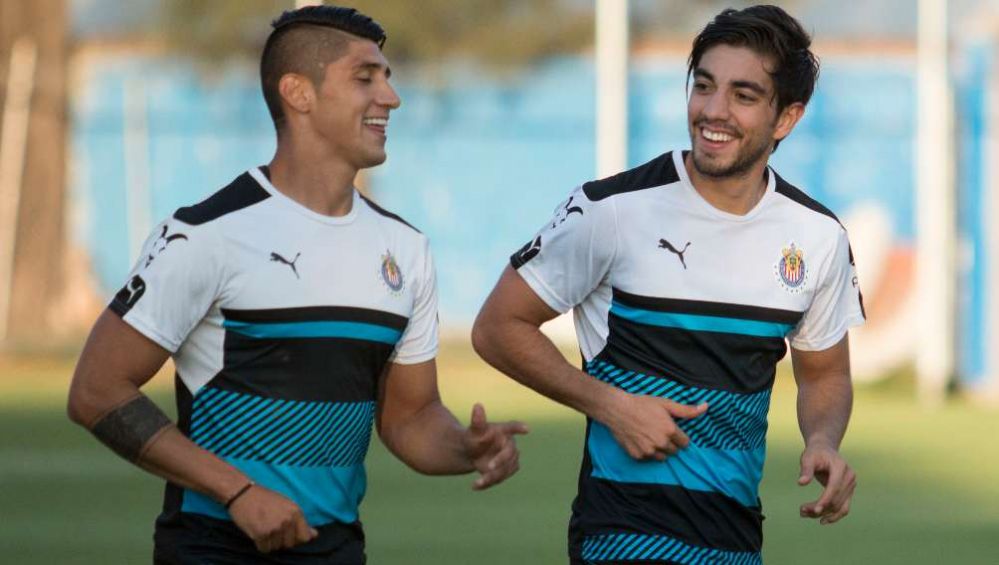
656	19
216	31
497	33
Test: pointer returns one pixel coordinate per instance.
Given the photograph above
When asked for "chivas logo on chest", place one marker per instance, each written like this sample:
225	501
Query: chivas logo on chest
391	274
791	269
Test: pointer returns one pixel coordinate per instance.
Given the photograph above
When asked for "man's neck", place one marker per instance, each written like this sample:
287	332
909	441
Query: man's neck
321	184
736	194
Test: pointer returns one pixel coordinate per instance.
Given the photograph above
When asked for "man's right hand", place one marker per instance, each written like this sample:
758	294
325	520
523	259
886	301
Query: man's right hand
645	426
272	521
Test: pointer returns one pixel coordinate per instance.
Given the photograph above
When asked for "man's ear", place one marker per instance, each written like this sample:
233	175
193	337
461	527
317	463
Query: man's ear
787	119
297	92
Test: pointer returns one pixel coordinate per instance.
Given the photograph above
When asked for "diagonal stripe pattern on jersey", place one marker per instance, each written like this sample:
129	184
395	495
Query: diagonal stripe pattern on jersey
283	432
733	421
617	548
294	403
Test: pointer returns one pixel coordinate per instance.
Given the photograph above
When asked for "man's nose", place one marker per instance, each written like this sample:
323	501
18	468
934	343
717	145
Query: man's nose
716	107
389	98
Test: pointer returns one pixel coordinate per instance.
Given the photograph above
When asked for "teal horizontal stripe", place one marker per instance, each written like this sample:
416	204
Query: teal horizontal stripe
324	494
350	330
734	473
700	323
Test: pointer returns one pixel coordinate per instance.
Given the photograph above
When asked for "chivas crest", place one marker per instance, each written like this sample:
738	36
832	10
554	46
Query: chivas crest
790	268
391	275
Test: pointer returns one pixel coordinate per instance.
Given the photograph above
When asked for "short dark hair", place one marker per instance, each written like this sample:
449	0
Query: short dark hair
771	32
304	41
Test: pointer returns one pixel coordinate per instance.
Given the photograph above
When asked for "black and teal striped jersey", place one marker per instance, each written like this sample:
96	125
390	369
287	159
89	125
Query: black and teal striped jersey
674	298
280	321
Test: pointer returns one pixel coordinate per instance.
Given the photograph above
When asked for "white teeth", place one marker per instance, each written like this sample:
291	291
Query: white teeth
376	121
715	136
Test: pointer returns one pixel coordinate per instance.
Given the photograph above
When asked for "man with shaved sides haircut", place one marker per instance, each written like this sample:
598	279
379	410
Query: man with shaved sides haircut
298	314
688	277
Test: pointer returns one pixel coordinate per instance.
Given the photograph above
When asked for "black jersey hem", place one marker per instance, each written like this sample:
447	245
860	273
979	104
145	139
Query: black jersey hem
189	539
704	519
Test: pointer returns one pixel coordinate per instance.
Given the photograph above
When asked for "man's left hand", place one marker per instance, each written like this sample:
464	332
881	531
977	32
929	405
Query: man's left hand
825	464
492	449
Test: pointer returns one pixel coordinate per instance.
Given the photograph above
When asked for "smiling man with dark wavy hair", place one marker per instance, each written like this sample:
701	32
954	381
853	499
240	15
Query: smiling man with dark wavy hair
688	277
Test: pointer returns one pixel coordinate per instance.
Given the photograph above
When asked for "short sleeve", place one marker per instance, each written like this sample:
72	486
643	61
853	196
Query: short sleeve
419	342
837	305
566	260
173	284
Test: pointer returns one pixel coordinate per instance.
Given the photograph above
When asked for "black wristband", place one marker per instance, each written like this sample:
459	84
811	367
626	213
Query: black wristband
238	494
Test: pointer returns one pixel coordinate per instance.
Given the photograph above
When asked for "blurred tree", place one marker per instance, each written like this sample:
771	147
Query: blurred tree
39	234
498	33
654	19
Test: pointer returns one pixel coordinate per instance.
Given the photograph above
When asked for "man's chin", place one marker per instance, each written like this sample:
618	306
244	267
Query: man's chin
372	160
712	167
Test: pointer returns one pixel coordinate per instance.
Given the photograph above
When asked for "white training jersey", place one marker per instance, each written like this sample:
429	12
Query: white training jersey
665	240
280	321
677	299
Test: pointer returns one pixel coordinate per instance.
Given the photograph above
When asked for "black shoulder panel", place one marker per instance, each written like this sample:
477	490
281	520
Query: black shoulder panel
795	194
241	193
657	172
388	214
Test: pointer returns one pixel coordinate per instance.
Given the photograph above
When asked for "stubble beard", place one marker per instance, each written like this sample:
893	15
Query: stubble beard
744	160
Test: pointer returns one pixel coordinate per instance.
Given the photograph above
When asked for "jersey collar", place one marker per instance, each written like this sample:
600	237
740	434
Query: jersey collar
706	206
265	183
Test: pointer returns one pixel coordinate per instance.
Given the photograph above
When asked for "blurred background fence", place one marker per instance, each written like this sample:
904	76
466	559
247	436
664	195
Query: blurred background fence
164	108
478	163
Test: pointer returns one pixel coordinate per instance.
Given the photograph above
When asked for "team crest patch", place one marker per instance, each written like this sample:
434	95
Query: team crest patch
791	270
391	275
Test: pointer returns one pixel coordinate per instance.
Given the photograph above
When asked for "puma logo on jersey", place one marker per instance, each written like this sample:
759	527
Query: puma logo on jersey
663	244
161	243
279	259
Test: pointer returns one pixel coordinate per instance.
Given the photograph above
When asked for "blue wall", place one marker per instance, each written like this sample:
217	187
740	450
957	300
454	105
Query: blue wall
973	211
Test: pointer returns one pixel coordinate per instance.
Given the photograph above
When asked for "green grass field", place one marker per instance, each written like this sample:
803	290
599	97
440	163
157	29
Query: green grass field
928	483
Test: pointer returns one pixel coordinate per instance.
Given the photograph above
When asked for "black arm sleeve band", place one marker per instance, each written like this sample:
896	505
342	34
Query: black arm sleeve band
126	429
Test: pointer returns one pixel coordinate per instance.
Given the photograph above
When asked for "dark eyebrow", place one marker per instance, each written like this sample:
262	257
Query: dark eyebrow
374	67
748	84
701	73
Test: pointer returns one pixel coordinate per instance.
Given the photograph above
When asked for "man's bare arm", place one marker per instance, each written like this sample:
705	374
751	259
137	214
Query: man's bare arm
105	398
418	429
825	400
507	335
